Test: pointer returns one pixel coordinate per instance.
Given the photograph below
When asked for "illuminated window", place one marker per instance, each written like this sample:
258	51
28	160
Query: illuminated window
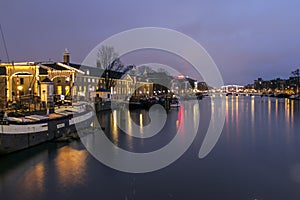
67	88
59	90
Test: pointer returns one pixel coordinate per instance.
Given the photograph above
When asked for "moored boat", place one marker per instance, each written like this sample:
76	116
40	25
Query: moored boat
295	97
174	103
17	133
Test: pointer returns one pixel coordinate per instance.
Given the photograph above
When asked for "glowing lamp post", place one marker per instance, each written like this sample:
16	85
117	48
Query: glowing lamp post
19	89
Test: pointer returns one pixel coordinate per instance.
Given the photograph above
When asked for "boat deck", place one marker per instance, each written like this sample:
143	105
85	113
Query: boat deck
54	115
59	112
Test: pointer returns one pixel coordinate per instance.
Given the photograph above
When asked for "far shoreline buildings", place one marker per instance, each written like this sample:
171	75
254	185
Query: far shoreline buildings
44	82
288	86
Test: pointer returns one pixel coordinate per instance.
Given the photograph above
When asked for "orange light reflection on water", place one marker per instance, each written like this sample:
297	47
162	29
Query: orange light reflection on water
35	178
114	129
71	166
227	119
237	115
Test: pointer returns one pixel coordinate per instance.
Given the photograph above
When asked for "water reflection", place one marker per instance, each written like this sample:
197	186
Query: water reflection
258	152
276	109
269	112
114	127
237	115
141	118
292	110
267	115
141	123
252	111
227	118
196	115
34	179
287	110
71	166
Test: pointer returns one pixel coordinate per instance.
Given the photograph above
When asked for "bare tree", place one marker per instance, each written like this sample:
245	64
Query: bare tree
109	61
162	70
144	68
106	55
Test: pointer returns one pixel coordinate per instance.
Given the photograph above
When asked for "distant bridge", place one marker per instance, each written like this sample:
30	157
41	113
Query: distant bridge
232	88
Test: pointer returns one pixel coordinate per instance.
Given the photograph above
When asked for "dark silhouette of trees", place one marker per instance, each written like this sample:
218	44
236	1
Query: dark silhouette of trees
109	61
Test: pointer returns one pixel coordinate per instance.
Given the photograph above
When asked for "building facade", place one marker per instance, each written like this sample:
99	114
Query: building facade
25	82
22	81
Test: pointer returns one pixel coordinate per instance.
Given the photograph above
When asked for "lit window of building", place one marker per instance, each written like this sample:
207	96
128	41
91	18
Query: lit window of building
59	90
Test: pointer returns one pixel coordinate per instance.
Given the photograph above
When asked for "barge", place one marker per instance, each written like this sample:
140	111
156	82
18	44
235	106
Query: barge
17	133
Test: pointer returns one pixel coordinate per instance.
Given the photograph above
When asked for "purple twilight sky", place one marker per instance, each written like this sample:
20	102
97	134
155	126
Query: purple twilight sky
246	39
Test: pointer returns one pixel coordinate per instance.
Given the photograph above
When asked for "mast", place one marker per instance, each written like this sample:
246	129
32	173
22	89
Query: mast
3	107
4	43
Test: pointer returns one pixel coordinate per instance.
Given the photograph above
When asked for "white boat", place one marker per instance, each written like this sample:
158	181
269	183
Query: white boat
18	133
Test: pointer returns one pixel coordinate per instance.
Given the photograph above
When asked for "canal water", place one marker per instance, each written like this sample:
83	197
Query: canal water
256	157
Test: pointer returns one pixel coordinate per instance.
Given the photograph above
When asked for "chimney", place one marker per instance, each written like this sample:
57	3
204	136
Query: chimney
66	56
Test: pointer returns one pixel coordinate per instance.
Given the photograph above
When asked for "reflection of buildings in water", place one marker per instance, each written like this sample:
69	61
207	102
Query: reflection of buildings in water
114	127
227	118
269	113
180	120
287	110
237	115
71	166
292	112
252	112
34	179
196	115
141	124
180	117
232	108
26	172
276	109
288	120
129	124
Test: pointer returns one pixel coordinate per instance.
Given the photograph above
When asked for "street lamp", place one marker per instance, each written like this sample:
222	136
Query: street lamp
20	87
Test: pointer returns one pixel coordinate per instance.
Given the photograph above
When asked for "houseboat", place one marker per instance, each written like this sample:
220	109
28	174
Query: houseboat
17	133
